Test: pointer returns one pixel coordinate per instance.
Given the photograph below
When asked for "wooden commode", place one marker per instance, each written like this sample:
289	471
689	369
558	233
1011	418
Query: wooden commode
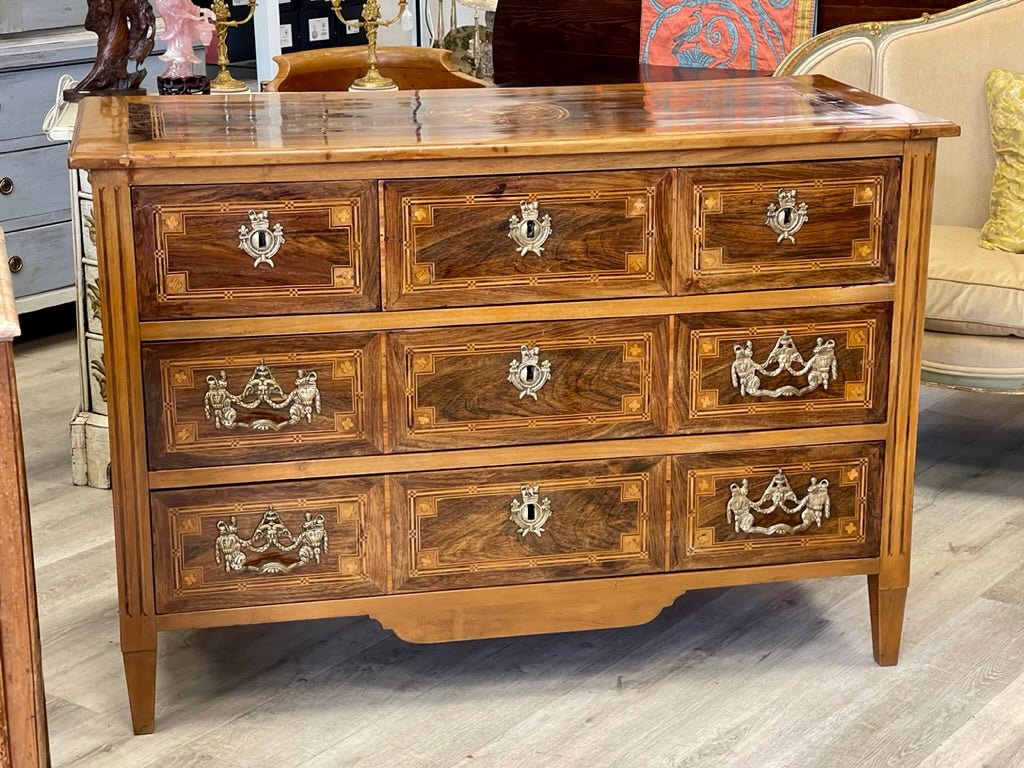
497	362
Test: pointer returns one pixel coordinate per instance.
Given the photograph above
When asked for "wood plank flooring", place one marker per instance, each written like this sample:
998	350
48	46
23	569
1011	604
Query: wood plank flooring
774	676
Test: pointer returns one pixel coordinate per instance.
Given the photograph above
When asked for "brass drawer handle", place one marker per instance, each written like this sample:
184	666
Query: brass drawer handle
531	231
820	370
262	390
230	549
778	496
528	374
787	216
16	263
262	242
6	185
532	512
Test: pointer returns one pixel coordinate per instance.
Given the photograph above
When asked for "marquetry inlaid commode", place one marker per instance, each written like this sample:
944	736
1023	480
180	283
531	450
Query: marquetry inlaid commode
501	362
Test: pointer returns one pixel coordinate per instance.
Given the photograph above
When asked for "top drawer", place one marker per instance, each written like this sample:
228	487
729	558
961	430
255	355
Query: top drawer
269	249
789	225
500	240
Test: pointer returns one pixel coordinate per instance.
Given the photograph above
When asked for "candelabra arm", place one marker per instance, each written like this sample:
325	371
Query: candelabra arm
224	81
336	7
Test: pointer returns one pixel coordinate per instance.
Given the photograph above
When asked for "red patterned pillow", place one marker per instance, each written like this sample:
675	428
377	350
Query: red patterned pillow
743	34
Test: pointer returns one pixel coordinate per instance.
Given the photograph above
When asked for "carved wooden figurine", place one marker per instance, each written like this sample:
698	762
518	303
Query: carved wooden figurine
126	31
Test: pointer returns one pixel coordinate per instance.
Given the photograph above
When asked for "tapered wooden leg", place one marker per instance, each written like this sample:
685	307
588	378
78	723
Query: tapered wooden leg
140	672
886	621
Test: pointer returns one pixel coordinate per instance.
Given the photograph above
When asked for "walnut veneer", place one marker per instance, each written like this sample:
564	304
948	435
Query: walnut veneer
483	363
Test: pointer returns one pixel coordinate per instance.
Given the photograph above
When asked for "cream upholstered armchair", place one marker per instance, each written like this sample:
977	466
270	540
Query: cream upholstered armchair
974	314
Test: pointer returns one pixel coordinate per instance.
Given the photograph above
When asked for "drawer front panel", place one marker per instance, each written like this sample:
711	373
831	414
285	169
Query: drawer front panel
525	524
28	93
527	238
782	368
261	544
744	231
40	184
47	261
539	382
776	506
256	400
268	249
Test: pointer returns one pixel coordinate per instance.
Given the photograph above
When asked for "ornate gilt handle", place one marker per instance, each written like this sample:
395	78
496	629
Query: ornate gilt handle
778	497
234	552
820	369
528	374
262	390
530	232
531	513
787	216
262	242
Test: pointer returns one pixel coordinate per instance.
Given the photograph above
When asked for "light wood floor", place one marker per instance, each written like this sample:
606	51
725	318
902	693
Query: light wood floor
770	676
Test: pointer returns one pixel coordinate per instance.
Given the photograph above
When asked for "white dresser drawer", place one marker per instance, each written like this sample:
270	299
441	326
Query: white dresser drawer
38	185
43	258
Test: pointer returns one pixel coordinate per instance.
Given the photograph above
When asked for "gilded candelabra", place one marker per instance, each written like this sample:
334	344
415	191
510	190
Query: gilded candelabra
373	80
225	82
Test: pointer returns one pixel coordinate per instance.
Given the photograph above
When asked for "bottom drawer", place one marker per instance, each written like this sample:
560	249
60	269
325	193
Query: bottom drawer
526	524
47	261
776	506
260	544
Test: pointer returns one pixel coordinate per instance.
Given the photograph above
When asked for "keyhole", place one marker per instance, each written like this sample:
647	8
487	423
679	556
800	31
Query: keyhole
530	512
529	374
787	216
261	240
531	229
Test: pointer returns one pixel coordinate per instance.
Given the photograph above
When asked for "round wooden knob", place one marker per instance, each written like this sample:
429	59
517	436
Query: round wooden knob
16	263
6	185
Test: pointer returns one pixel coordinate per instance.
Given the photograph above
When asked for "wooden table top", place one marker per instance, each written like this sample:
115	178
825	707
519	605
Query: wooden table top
268	129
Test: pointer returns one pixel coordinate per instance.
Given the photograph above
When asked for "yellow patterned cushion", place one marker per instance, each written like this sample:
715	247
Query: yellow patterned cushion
1004	230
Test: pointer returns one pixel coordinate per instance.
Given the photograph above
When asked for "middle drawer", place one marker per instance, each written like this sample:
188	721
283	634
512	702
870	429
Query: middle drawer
530	383
514	239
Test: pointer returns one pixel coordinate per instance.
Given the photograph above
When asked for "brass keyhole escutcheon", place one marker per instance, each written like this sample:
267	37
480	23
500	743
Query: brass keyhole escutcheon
16	263
530	512
6	185
787	216
529	374
262	241
528	229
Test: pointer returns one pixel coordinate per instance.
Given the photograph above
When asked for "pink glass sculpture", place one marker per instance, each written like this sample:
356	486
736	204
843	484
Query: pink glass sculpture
183	23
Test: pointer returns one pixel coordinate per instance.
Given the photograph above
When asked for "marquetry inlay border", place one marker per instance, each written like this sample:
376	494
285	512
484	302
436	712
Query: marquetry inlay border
634	488
178	380
341	216
709	200
850	524
853	390
422	362
344	561
419	213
